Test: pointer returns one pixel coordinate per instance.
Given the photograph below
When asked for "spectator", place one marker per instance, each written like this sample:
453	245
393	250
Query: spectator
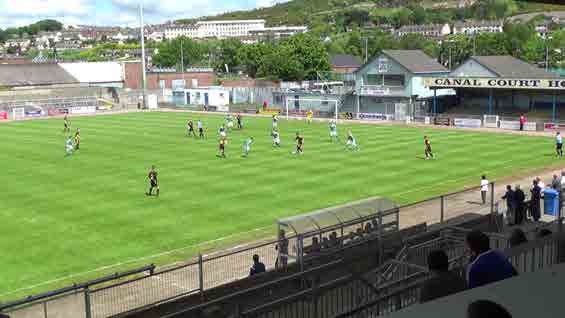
519	198
257	267
556	183
315	247
540	183
334	242
443	282
517	237
487	266
535	204
510	208
487	309
325	242
368	228
282	248
484	189
543	233
522	121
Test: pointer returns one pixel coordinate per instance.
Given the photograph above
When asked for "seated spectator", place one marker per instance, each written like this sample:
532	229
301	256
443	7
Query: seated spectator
487	266
487	309
375	224
443	282
257	267
543	233
325	242
517	237
315	247
368	228
334	241
359	233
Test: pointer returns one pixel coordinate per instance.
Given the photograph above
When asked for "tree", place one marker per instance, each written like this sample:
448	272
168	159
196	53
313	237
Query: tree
169	53
282	64
251	56
517	34
420	15
310	52
356	17
489	44
227	55
402	17
534	50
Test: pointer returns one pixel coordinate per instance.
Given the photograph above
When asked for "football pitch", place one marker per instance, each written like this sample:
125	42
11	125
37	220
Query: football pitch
65	215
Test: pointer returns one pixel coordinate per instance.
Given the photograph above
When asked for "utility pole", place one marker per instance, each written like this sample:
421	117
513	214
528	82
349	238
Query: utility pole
143	66
181	56
366	49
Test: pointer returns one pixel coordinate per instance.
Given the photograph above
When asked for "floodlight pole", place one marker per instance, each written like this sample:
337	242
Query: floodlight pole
143	66
286	106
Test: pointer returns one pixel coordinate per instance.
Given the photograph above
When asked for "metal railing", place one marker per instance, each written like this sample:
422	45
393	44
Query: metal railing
207	272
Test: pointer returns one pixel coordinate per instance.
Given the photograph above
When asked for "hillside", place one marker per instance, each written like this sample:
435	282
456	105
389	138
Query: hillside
305	12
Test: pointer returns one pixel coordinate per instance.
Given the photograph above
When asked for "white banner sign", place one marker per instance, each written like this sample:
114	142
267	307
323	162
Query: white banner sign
83	110
497	83
468	123
515	125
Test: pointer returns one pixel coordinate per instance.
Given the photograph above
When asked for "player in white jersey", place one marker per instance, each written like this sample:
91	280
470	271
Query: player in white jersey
229	121
333	131
276	138
69	147
247	146
559	144
351	143
275	122
200	129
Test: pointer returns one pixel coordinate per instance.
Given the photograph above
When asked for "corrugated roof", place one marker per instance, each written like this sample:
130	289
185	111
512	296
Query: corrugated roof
95	72
34	74
345	60
511	67
416	61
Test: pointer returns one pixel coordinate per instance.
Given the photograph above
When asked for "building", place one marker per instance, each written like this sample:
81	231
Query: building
167	79
156	36
175	31
276	33
228	28
477	27
344	63
427	30
393	83
503	85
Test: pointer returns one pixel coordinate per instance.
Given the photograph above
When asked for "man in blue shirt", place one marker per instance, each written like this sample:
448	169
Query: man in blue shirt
487	266
257	267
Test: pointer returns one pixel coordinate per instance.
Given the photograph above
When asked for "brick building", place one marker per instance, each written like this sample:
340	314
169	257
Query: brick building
167	80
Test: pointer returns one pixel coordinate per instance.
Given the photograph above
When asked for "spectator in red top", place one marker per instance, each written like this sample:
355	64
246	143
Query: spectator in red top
265	105
522	122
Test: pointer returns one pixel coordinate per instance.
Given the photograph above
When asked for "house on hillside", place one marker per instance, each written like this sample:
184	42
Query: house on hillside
476	27
344	63
426	30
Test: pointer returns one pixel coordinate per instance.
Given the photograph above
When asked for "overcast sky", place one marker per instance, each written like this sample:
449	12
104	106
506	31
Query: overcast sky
115	12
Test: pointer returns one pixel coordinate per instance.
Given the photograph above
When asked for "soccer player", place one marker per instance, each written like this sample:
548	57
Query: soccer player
200	129
229	121
351	143
333	131
222	131
276	138
190	127
239	121
247	146
153	183
299	143
67	124
69	146
77	139
309	116
428	148
222	148
275	121
559	144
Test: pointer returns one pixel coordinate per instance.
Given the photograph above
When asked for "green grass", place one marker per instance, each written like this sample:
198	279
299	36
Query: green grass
62	216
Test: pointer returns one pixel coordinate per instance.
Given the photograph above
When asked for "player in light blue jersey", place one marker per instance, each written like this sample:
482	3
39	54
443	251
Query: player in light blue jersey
247	146
69	147
559	144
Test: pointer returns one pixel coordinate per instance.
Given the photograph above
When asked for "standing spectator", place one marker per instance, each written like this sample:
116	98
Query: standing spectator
540	183
443	282
535	205
556	183
282	247
484	189
487	309
257	267
315	247
265	105
522	121
559	144
519	198
487	266
517	237
510	207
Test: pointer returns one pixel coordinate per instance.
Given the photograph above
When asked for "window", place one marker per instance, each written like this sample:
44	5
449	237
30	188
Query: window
394	80
374	79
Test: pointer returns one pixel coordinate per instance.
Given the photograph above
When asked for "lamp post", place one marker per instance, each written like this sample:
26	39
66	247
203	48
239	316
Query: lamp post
144	69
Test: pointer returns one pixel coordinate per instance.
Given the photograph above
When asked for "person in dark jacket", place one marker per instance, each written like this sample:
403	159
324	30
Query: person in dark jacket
511	210
487	265
443	282
535	205
519	198
257	267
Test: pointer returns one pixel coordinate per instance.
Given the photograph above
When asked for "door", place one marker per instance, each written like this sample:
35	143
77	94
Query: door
188	98
206	99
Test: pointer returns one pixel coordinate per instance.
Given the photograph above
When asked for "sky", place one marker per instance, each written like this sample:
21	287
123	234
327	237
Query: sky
116	12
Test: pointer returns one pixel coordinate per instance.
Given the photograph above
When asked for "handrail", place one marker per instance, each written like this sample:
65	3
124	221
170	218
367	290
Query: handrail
75	287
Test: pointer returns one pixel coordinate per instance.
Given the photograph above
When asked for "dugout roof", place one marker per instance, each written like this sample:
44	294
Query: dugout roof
338	215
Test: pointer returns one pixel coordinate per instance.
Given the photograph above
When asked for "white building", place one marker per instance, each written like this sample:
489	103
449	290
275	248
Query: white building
156	36
277	33
476	27
175	31
427	30
228	28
